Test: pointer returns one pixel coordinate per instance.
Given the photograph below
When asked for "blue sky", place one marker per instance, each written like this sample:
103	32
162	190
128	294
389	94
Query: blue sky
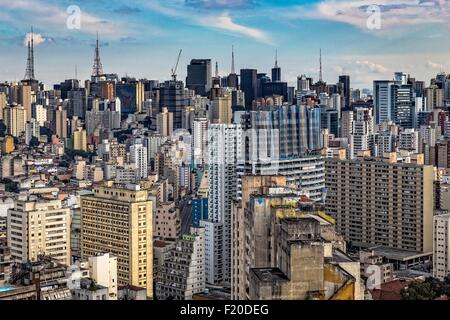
141	38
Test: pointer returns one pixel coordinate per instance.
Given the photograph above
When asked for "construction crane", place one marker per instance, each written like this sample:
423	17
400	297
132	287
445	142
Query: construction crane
174	70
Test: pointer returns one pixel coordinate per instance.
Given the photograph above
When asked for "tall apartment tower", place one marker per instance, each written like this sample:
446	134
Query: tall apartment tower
119	221
362	137
200	141
378	201
14	118
199	76
441	246
164	123
345	81
138	156
39	227
224	151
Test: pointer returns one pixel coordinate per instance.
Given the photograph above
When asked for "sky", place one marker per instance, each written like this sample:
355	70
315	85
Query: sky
141	38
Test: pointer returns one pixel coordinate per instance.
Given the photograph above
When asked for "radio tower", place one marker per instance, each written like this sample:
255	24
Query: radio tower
320	61
98	68
29	73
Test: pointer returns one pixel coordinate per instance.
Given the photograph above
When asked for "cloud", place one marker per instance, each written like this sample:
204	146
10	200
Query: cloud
434	65
221	21
394	14
127	10
370	67
37	39
221	4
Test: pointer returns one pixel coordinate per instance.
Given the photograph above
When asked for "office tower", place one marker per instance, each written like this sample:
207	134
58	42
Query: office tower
441	246
362	137
261	79
345	81
199	76
107	90
200	142
77	103
434	98
119	221
330	121
39	227
224	151
276	71
183	270
275	89
131	95
303	83
233	79
239	254
383	98
79	139
25	99
14	117
249	86
164	123
173	97
286	141
394	101
381	202
138	156
222	111
409	140
59	123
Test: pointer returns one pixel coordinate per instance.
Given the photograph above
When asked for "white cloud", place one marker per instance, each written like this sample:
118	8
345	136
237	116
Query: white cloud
222	21
371	67
394	13
37	39
434	65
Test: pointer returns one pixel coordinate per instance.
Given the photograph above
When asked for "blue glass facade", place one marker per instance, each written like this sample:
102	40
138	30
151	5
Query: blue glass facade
199	211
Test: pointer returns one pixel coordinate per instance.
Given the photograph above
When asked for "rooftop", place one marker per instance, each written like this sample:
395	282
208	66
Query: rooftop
398	254
269	274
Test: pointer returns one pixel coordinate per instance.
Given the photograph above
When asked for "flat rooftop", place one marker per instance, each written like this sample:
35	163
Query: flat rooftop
398	254
269	274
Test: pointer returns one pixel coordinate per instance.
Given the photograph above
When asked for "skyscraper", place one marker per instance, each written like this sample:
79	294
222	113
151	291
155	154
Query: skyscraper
172	96
345	80
362	138
199	76
233	80
15	120
276	70
119	221
249	86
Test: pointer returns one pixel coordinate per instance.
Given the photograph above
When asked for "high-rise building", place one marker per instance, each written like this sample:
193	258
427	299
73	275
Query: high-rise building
222	110
173	97
276	70
362	137
441	246
345	80
183	271
199	76
434	98
59	123
119	221
131	95
79	139
39	227
381	202
164	123
200	142
103	269
249	86
224	151
2	103
14	117
138	156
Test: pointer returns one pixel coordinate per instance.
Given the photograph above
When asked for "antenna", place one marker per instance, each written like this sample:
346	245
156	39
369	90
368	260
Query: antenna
217	69
233	70
174	70
320	61
29	72
98	67
276	58
76	72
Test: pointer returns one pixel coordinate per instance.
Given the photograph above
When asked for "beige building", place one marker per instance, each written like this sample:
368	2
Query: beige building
80	140
2	103
441	246
378	201
103	269
164	123
39	227
222	110
15	119
119	221
167	221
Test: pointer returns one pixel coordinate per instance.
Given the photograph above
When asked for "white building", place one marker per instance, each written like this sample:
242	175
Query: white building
200	141
409	140
362	132
441	246
224	151
103	269
138	156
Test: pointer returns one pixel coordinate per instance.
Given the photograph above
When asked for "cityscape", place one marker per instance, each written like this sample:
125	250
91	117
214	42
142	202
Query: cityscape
222	183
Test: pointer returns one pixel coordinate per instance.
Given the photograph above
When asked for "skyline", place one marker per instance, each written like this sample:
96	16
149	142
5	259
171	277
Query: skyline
142	38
